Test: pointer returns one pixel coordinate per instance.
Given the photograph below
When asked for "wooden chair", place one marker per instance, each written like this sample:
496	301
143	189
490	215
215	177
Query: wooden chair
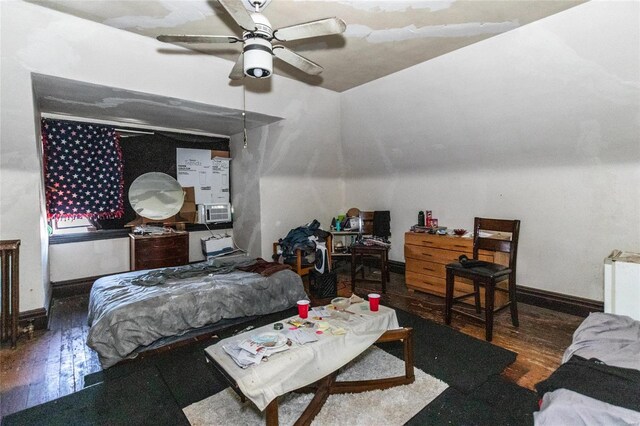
299	266
366	220
487	274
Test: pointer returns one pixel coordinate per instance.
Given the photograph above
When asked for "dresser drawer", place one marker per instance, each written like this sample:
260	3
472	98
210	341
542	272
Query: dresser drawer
157	251
431	254
160	263
437	285
439	241
427	255
425	267
163	243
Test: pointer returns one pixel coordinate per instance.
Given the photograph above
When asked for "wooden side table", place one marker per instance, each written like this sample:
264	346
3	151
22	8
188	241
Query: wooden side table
374	250
159	251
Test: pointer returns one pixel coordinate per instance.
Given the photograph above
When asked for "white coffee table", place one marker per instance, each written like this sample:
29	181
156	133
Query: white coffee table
313	367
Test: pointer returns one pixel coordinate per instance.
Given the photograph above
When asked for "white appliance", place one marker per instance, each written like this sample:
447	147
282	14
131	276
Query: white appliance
322	258
214	213
622	284
216	246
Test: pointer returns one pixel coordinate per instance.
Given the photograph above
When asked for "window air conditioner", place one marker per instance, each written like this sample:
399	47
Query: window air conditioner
214	213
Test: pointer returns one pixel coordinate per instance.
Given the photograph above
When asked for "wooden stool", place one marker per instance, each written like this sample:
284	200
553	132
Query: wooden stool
374	250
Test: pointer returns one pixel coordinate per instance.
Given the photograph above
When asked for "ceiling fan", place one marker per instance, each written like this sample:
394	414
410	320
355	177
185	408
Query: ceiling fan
256	59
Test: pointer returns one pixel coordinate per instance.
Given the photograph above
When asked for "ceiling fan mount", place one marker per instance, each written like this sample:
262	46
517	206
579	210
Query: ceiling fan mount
256	58
256	5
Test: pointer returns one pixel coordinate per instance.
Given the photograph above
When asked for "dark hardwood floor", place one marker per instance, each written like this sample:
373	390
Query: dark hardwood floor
54	362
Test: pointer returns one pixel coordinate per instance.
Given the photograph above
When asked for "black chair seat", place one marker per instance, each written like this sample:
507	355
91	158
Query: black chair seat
485	270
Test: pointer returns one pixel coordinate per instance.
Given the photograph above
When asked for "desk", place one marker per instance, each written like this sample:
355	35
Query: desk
374	250
347	238
317	362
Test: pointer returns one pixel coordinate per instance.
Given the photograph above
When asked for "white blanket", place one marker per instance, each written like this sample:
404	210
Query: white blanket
303	365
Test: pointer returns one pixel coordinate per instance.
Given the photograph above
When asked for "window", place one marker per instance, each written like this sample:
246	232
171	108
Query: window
140	153
70	226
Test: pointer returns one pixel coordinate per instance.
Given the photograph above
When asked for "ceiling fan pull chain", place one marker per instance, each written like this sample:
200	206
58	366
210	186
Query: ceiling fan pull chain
244	115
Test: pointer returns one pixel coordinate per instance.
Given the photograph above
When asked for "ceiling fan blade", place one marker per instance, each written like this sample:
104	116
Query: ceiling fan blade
300	62
236	9
237	72
197	39
317	28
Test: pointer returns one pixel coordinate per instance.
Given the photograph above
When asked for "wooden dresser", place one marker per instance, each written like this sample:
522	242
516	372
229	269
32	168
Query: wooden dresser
426	256
157	251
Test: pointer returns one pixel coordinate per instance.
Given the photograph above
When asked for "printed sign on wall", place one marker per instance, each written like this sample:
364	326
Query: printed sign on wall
208	174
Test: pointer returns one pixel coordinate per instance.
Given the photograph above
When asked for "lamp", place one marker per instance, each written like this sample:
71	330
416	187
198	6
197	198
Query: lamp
258	60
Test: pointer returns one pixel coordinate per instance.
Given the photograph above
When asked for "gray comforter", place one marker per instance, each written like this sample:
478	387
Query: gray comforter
124	316
614	340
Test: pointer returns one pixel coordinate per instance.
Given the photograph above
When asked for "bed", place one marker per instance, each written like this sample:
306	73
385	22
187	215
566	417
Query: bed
598	382
136	311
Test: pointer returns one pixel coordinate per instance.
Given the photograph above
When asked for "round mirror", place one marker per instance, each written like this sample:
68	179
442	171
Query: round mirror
156	196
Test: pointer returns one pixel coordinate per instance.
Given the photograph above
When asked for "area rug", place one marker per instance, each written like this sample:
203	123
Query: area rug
139	399
462	361
393	406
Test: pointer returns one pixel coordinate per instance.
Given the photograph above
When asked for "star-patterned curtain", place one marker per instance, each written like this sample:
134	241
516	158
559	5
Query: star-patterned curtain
82	169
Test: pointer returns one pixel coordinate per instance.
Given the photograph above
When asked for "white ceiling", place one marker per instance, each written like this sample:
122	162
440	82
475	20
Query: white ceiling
382	37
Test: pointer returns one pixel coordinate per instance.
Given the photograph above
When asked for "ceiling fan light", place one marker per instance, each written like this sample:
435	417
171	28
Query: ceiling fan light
258	58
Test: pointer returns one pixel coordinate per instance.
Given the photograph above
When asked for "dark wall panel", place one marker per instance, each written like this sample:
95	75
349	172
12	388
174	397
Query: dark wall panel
155	153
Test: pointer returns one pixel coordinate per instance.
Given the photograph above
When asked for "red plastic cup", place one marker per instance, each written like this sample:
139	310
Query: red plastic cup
374	302
303	308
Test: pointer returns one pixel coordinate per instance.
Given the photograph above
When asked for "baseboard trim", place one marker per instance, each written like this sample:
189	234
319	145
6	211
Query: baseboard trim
37	317
559	302
544	299
396	267
75	287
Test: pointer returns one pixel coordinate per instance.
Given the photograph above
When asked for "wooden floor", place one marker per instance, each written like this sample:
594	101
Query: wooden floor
54	362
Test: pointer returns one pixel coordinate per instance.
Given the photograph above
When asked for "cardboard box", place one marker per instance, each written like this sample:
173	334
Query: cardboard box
188	211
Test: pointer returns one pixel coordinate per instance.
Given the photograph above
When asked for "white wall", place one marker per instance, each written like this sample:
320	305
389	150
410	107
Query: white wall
541	124
36	39
290	172
103	257
88	259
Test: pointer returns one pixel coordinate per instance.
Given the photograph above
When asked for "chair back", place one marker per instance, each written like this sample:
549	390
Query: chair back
366	220
503	237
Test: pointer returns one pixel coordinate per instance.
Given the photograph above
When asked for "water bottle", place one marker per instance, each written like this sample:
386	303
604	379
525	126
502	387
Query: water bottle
420	218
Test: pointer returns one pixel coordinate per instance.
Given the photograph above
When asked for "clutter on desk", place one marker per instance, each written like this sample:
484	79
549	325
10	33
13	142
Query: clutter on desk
152	230
301	336
374	241
347	222
248	352
441	230
428	224
426	219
